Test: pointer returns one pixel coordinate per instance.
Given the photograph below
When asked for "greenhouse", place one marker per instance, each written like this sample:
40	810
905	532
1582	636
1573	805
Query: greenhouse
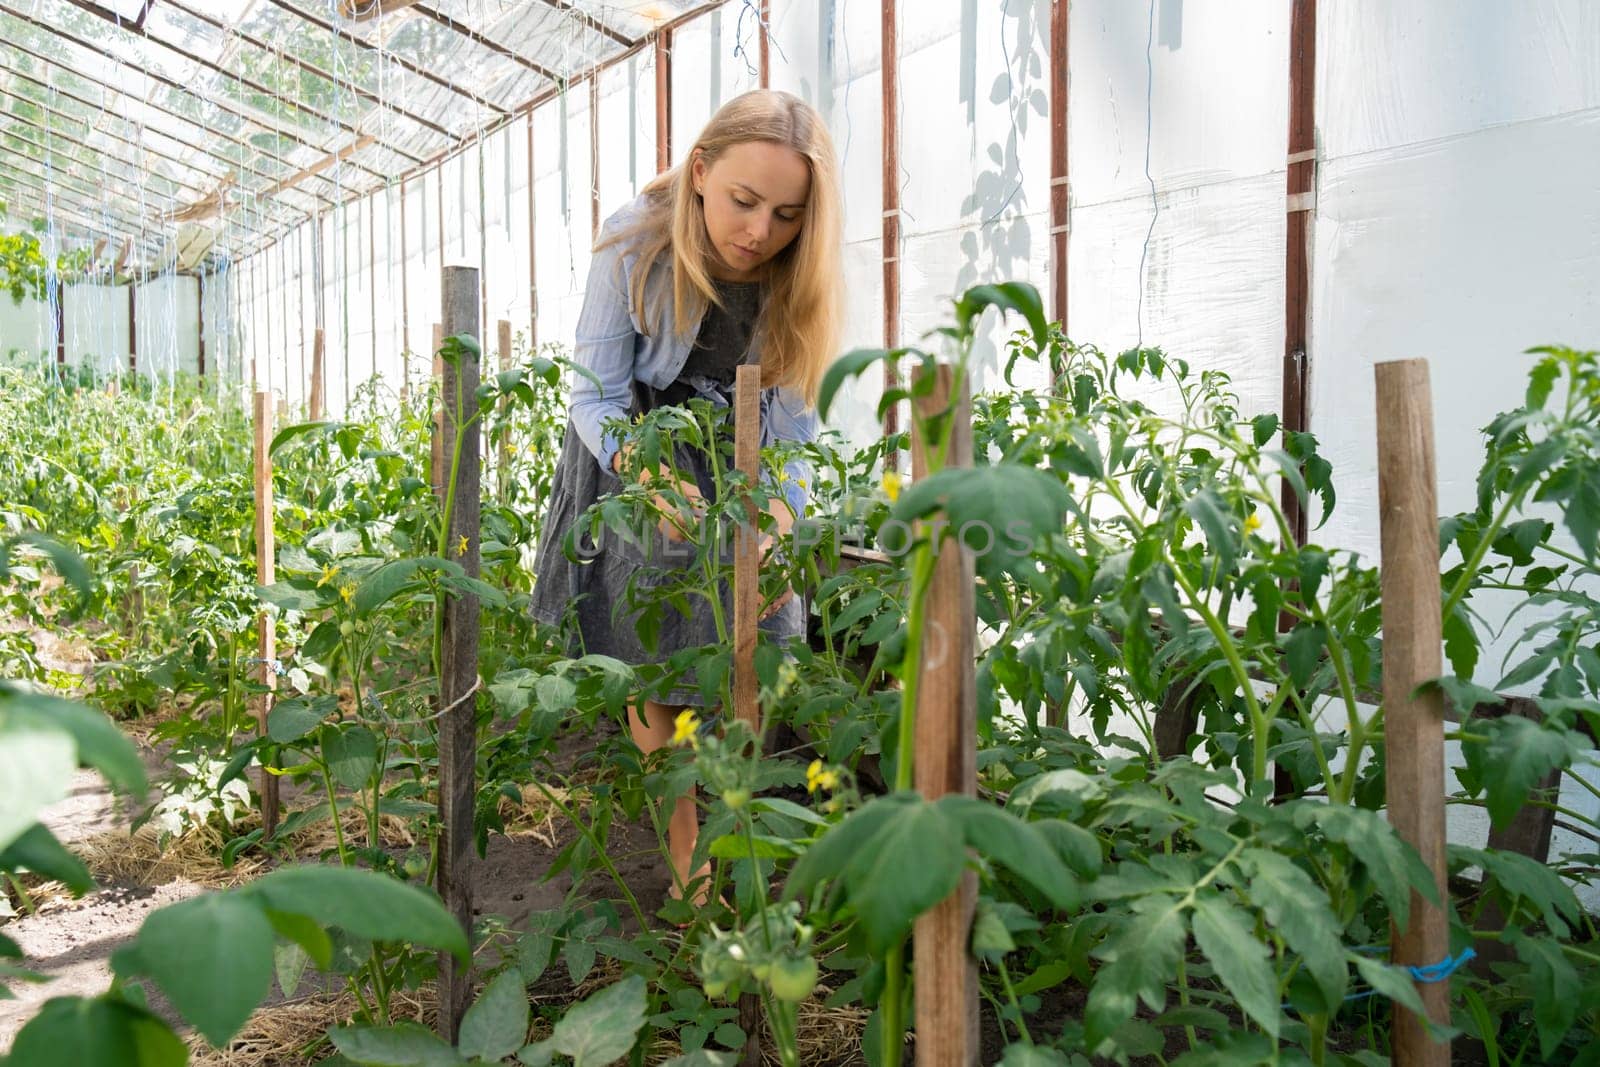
799	532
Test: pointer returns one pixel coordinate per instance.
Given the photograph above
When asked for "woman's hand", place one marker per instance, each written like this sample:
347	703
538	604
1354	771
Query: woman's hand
679	517
768	543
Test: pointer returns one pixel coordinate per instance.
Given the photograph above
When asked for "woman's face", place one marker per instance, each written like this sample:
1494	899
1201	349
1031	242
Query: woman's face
755	198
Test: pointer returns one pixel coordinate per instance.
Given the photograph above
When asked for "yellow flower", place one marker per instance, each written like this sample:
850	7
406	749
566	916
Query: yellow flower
891	485
461	546
348	591
1252	523
329	573
685	728
820	777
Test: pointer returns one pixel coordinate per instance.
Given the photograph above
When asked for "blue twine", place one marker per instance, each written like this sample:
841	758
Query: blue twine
1428	974
277	665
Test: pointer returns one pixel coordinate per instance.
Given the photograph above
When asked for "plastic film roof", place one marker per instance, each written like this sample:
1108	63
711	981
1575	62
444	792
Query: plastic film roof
124	120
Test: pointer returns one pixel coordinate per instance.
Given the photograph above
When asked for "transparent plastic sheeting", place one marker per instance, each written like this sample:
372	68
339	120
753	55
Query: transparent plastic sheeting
96	328
1456	213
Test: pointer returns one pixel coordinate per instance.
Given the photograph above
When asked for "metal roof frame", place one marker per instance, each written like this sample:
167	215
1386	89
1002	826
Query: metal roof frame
276	190
124	95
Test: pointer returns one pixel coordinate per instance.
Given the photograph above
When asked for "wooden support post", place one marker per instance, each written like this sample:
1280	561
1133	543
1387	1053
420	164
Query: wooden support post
746	611
891	220
266	552
502	462
437	453
133	330
318	393
746	547
1413	654
946	761
459	666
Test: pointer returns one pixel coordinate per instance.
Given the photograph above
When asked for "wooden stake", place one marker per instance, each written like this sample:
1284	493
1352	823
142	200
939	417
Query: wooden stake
1413	654
266	552
746	547
746	609
946	761
436	475
459	677
318	393
502	463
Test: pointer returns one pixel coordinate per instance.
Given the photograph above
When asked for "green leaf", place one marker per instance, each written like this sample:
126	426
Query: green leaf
1521	752
1228	939
704	1058
293	595
97	1032
301	429
1460	643
1263	428
556	693
99	743
1207	509
1303	651
1555	1007
1391	981
1142	954
212	957
998	512
497	1022
311	938
351	752
293	718
406	1045
848	366
895	857
39	851
36	765
1001	836
289	963
1519	876
67	563
364	903
1033	1056
602	1028
390	580
1005	296
1394	866
1298	908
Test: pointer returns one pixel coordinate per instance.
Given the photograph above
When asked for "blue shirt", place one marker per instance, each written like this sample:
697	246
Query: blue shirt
612	345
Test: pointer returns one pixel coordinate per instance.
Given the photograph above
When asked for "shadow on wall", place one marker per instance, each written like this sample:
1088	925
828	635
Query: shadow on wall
999	246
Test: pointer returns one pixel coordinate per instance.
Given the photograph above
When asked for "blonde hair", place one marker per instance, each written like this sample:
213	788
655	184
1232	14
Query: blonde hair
800	323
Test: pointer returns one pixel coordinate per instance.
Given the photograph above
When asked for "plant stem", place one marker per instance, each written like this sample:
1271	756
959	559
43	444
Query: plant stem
599	852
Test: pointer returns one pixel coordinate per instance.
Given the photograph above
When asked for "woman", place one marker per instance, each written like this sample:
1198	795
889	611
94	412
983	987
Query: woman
731	257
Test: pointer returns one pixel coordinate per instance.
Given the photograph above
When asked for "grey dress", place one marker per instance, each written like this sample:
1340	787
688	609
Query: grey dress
595	599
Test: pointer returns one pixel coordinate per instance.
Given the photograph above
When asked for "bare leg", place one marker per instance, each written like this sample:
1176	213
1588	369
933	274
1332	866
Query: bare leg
683	828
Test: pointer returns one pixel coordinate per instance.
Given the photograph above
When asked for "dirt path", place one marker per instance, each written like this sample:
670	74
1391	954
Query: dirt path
71	941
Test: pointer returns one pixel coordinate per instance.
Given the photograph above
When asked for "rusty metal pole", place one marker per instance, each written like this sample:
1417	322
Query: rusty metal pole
765	39
1060	185
663	100
1297	273
891	219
